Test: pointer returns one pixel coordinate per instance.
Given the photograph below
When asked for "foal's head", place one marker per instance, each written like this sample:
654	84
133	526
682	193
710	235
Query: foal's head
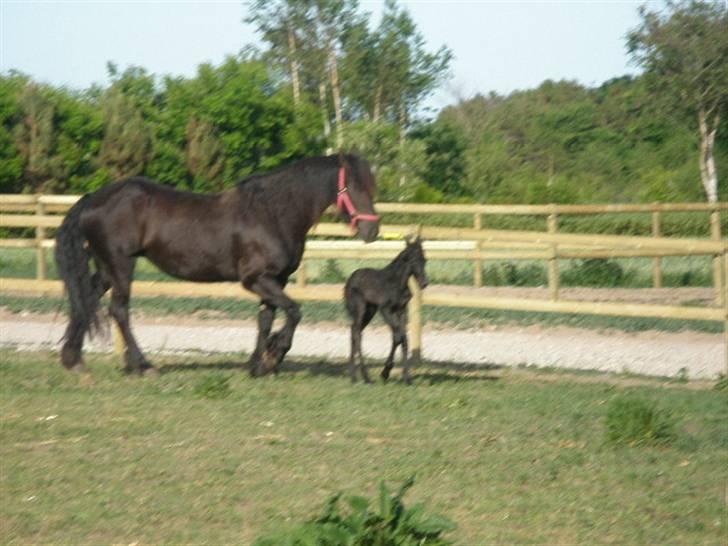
415	261
356	196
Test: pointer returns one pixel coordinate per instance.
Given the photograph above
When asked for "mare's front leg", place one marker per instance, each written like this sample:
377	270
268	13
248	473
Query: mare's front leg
266	315
271	294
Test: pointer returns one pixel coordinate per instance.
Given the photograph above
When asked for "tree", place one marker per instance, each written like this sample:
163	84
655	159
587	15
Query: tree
282	22
205	155
35	138
11	162
128	108
685	55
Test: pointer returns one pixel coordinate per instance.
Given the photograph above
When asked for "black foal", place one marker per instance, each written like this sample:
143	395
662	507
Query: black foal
385	289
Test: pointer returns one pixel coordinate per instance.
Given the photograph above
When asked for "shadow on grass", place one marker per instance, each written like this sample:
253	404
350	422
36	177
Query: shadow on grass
431	372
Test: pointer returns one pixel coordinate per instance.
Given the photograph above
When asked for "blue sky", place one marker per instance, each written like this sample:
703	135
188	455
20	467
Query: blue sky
498	45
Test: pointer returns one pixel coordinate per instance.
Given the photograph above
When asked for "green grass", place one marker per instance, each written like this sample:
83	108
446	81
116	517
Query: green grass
511	456
633	272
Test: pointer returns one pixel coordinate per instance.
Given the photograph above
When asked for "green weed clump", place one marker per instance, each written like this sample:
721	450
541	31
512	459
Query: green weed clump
595	272
331	273
636	422
722	383
213	386
393	524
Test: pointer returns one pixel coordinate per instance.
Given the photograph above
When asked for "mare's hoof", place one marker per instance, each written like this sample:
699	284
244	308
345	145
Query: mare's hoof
385	374
269	361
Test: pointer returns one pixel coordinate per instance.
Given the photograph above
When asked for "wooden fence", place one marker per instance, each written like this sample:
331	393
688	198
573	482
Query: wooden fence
473	244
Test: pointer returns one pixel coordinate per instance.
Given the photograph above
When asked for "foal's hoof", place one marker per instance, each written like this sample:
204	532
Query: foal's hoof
79	368
385	374
150	371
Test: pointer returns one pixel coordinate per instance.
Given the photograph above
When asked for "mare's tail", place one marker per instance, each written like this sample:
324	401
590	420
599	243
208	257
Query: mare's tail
72	260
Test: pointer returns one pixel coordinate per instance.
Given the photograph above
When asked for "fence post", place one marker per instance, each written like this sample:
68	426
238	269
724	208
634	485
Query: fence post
725	308
717	273
415	322
414	310
41	268
553	262
119	343
478	264
657	261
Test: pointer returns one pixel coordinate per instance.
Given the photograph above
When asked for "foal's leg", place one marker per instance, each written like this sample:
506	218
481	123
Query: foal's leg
271	294
403	342
266	315
396	319
121	274
363	313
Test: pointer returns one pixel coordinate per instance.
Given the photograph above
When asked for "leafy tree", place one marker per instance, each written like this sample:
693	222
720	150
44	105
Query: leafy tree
128	107
127	145
685	54
11	162
282	24
445	147
205	155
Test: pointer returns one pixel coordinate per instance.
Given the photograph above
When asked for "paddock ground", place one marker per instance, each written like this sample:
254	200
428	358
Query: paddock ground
204	454
686	353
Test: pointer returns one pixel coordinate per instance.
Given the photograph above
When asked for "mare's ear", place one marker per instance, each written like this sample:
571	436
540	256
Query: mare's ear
342	159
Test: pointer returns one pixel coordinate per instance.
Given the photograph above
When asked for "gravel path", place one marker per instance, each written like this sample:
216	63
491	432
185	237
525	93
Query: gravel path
650	353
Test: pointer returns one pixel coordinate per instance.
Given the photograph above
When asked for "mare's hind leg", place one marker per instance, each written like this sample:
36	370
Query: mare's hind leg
121	277
266	315
75	332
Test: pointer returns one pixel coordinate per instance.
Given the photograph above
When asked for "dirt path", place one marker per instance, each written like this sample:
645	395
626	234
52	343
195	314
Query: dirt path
700	355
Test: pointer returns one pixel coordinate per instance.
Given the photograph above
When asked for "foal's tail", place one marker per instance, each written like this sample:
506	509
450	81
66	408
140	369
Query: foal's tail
72	262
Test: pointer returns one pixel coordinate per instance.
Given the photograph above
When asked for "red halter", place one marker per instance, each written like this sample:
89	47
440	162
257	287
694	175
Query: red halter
343	202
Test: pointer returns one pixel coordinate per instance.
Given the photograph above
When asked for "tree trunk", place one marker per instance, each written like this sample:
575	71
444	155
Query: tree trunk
325	114
377	104
336	93
402	136
708	172
294	66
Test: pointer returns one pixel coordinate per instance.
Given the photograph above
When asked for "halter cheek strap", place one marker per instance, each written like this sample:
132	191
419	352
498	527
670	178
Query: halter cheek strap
344	202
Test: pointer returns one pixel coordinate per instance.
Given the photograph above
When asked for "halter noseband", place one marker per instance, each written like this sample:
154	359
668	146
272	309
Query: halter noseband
344	202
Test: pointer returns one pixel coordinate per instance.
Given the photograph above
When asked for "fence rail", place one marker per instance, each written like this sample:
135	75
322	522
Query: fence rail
472	244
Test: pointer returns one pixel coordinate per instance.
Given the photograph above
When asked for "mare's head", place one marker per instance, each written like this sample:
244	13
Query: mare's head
355	200
415	260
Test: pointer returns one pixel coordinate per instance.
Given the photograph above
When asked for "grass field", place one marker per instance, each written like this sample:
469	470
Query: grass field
204	454
629	272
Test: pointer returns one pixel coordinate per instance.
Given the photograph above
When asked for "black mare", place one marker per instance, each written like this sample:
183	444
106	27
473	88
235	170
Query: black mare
253	233
368	290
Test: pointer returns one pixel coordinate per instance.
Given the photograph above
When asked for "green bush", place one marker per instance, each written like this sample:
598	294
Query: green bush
594	272
634	422
331	273
393	525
